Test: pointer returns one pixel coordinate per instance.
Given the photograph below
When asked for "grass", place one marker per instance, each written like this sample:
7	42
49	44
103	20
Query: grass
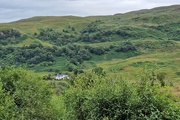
159	62
30	41
59	65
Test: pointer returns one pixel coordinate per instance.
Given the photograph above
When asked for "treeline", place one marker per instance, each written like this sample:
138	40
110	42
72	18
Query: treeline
30	55
97	32
37	54
94	33
11	33
57	37
11	36
34	54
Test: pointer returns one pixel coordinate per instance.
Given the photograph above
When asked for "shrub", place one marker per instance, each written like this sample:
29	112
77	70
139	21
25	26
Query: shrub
23	95
125	47
97	98
99	71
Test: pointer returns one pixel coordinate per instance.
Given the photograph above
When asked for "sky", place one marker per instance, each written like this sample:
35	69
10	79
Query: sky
12	10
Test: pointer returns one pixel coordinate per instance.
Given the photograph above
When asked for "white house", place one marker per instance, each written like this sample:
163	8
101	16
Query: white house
61	77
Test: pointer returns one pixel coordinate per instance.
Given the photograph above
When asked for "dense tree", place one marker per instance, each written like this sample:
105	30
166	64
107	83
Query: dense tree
34	54
97	50
111	98
126	47
56	37
23	95
11	33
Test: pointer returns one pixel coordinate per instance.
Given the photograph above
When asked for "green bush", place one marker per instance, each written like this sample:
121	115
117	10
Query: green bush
97	98
11	33
125	47
23	96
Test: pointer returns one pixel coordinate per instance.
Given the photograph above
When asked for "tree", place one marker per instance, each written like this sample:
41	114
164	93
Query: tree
99	98
23	95
97	50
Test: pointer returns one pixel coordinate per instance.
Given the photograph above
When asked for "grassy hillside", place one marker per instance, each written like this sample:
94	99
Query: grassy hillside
122	43
123	66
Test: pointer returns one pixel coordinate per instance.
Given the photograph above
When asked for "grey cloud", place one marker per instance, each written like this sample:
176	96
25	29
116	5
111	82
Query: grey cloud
18	9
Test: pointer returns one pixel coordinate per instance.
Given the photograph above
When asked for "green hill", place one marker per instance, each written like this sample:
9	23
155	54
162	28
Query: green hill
120	43
122	66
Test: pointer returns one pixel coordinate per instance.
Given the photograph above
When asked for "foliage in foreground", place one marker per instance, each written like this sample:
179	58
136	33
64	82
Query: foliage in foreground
98	98
23	96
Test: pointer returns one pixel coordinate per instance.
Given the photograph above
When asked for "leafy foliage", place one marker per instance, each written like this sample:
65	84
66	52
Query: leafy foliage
56	37
12	33
99	71
125	47
23	95
11	36
92	97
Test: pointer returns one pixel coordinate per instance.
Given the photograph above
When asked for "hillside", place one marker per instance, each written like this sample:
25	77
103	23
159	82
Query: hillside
119	43
117	67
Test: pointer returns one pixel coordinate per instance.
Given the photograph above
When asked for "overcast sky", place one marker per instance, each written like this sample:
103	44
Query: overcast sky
11	10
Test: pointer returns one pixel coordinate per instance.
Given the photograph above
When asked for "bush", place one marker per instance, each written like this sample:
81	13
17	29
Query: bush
11	33
99	71
23	95
97	98
126	47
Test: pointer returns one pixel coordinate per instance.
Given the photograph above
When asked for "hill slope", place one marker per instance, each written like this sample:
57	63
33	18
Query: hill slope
119	43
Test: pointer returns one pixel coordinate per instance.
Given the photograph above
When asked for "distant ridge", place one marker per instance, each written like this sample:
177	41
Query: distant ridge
156	10
175	8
